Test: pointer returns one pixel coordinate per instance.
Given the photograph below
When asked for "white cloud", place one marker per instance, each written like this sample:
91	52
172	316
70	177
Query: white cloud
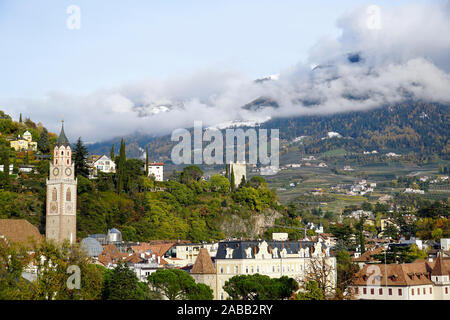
408	57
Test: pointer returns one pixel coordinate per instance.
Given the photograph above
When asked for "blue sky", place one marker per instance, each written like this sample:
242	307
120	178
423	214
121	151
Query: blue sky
121	43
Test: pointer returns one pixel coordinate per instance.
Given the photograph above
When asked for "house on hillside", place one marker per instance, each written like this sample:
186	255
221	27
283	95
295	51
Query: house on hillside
100	163
24	142
156	169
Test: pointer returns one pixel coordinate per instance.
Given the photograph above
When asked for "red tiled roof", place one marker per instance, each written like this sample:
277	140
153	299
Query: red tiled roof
408	274
20	231
203	264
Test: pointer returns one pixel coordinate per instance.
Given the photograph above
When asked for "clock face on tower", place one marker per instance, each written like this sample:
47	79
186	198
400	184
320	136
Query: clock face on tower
55	171
68	171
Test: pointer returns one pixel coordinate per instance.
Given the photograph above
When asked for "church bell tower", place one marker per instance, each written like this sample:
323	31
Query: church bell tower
61	193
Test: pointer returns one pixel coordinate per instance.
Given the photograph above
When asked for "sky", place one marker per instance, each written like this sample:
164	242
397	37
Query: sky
153	66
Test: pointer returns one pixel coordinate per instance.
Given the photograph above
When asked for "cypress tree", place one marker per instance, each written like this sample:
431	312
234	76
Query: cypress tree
233	181
20	118
111	153
80	155
226	171
146	161
121	159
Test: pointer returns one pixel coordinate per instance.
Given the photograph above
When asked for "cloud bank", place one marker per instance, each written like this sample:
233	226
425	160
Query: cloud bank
382	57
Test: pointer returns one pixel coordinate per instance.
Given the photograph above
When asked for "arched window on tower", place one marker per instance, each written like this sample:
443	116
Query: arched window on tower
68	195
54	195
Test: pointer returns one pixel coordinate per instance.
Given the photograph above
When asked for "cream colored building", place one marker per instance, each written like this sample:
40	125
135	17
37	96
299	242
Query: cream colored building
187	253
24	143
273	258
421	280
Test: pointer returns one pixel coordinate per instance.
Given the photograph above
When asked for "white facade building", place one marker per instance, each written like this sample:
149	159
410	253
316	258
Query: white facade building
101	163
157	170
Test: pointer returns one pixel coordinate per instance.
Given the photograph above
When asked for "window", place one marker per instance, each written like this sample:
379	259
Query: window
364	291
424	291
246	269
400	292
54	195
62	153
68	195
446	290
412	291
221	269
418	291
236	269
390	292
380	291
228	269
372	291
356	290
431	290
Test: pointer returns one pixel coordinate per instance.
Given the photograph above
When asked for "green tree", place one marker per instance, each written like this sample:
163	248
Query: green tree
43	142
232	180
52	261
146	161
111	153
259	287
177	284
437	234
124	284
219	184
120	168
190	174
311	291
13	260
346	270
80	155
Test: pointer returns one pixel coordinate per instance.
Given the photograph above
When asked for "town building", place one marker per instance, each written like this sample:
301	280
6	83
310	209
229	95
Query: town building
156	169
187	253
61	193
272	258
11	168
420	280
24	143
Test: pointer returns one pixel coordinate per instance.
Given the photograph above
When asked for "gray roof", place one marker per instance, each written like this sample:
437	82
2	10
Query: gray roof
92	246
62	139
292	247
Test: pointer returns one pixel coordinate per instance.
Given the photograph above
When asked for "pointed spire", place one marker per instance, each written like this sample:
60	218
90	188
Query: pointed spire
62	139
203	264
439	267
